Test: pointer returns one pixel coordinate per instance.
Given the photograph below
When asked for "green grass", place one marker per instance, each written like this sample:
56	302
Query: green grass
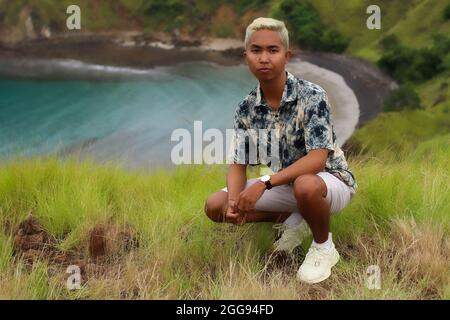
184	255
401	131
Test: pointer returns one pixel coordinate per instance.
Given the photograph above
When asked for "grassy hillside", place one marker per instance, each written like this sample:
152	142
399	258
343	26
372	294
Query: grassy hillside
398	220
414	22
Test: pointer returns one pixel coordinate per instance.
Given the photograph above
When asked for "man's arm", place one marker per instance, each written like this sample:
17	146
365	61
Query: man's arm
236	180
312	163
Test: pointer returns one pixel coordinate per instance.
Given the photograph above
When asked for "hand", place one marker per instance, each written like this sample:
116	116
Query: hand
248	197
232	215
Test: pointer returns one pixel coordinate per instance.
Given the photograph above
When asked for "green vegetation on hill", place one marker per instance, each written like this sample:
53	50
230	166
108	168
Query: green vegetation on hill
415	65
306	27
398	220
414	23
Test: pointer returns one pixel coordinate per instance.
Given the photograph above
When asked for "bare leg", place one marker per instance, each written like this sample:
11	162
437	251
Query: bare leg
310	192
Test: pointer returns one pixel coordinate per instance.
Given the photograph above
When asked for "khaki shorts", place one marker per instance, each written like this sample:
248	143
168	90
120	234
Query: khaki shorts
282	198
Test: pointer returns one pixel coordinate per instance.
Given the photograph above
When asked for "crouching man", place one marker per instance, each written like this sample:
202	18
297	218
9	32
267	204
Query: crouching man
311	179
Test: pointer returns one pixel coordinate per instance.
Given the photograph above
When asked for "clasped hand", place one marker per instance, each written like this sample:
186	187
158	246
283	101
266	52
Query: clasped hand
239	208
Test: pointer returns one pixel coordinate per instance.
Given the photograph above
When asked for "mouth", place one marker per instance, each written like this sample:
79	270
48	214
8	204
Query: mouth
263	70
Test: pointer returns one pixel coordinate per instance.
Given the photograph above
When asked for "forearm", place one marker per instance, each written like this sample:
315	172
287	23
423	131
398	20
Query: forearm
312	163
236	180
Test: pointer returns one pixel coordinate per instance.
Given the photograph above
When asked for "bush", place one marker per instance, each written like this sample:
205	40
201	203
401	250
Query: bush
165	11
306	28
414	65
333	41
447	12
402	98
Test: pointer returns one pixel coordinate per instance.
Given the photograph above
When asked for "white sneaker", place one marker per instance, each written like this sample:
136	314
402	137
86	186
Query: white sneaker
291	237
317	265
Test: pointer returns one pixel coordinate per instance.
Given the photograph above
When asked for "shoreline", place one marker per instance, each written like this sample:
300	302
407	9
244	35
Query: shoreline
131	50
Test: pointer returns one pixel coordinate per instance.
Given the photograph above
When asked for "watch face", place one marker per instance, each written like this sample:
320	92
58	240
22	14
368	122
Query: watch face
265	178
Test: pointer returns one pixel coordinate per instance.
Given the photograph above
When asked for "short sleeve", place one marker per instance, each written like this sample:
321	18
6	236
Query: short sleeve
242	141
317	123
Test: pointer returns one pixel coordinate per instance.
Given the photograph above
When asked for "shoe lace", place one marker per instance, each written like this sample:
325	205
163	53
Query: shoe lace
315	255
291	236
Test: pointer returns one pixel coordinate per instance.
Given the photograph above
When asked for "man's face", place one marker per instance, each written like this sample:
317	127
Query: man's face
265	55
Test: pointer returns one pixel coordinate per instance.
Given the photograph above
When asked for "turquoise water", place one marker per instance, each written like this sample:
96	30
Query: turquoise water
128	117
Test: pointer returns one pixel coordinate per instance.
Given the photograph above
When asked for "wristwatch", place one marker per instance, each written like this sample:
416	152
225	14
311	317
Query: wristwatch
266	180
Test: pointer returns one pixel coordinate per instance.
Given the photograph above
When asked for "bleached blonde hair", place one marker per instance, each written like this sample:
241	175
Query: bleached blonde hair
267	24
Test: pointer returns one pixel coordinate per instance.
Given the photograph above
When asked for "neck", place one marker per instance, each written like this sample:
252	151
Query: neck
273	89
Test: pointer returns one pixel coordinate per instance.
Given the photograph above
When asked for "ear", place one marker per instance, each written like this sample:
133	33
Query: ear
288	55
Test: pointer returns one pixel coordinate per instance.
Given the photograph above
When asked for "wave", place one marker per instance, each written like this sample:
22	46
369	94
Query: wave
74	69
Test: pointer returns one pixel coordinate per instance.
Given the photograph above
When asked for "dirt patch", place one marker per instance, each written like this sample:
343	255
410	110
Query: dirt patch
283	261
97	242
105	242
108	241
31	241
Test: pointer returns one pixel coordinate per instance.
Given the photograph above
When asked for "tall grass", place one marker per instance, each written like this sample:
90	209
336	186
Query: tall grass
399	220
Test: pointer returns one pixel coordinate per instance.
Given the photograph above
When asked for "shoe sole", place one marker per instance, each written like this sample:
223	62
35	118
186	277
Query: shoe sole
326	276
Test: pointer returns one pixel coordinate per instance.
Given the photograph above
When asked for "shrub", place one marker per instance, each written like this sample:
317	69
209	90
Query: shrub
306	28
447	12
402	98
333	41
164	11
414	65
397	62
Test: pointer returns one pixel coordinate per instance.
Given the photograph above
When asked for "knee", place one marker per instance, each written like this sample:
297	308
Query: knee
308	187
214	210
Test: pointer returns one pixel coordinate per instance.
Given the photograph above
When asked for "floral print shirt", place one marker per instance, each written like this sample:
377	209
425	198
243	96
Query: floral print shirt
304	123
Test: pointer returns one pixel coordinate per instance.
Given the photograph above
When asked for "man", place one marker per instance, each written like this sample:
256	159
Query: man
311	179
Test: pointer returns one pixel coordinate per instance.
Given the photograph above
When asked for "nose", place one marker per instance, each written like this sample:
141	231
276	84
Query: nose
264	57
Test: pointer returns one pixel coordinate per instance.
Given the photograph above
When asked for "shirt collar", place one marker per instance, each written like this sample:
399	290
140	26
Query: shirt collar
289	92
